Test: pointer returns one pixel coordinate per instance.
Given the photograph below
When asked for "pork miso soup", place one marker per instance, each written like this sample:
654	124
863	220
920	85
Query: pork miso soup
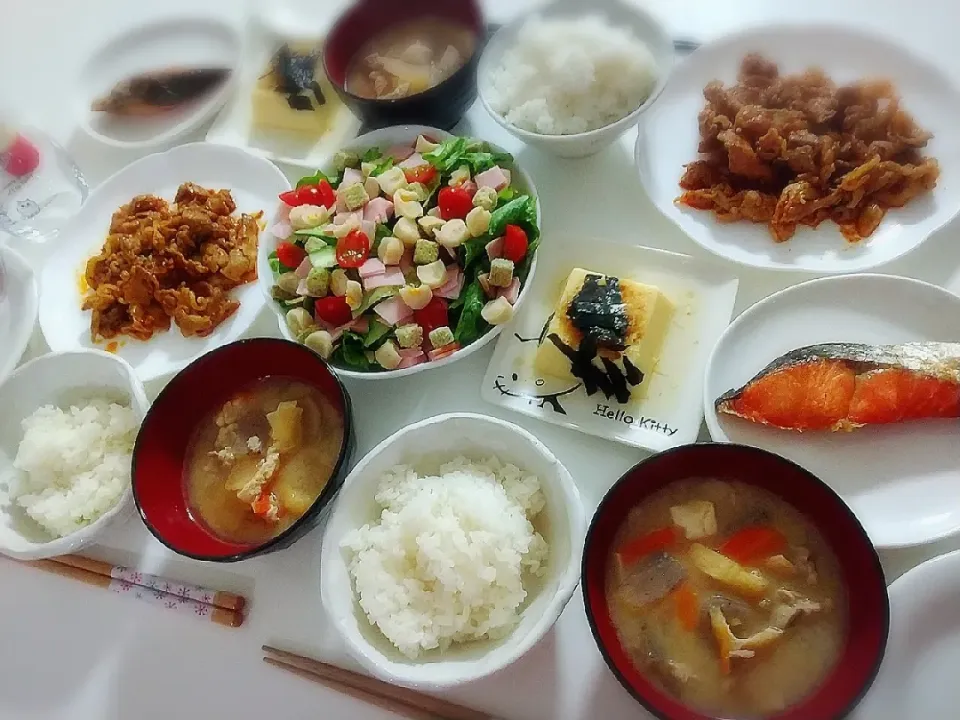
727	598
409	58
258	463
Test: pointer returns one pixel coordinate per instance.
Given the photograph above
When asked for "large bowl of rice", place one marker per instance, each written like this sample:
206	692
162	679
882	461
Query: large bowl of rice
453	548
69	421
571	78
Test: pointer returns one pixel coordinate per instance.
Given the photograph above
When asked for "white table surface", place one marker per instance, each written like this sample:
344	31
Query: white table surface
72	651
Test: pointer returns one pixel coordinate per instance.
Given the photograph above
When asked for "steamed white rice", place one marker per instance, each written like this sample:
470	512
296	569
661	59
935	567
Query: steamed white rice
449	557
75	463
566	76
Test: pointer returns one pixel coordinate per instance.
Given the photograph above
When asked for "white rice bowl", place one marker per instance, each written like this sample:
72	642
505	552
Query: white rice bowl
523	612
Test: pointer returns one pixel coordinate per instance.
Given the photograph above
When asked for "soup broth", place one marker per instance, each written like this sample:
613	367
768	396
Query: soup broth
259	462
727	598
409	59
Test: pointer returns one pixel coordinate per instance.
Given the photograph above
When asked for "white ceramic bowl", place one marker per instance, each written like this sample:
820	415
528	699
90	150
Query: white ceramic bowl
18	309
396	135
59	378
621	14
447	436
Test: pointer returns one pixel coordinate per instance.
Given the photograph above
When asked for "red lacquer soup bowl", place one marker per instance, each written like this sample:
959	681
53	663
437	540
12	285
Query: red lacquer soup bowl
194	393
868	611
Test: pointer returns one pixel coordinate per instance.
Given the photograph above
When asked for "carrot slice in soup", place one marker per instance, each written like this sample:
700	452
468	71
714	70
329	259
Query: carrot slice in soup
753	544
687	607
637	548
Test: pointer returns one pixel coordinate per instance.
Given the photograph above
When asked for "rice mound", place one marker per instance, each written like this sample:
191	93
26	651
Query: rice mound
75	463
567	76
447	559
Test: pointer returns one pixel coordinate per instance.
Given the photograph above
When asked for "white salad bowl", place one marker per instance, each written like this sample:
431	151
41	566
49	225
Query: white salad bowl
384	138
621	14
424	444
60	379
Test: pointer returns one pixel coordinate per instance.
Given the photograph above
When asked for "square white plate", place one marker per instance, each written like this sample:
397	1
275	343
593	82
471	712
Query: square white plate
703	294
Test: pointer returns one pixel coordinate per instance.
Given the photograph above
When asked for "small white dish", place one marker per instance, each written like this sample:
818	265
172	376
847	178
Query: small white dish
900	480
669	136
917	678
57	379
187	42
427	444
234	126
621	14
255	184
385	138
703	294
18	308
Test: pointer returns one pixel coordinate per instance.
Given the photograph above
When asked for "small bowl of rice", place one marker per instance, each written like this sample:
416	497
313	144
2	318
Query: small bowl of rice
453	548
570	79
70	420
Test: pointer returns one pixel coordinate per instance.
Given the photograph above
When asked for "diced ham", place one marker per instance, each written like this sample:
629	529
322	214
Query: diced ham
406	262
393	311
470	186
495	178
304	268
369	228
360	325
392	276
378	210
495	248
400	152
411	353
335	332
414	161
283	213
372	267
511	292
451	289
341	206
282	230
445	351
411	361
351	176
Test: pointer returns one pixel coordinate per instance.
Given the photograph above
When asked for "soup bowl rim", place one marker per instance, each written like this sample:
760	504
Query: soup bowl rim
318	506
644	698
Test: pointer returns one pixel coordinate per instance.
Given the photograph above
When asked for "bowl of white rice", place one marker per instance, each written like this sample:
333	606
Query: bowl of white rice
70	420
453	548
571	78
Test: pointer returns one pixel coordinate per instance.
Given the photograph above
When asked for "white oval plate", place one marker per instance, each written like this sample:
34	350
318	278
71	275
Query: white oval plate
184	42
918	676
18	308
703	293
255	184
385	138
669	136
901	480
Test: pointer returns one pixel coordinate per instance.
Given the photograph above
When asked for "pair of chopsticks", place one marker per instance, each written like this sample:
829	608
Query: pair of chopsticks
216	606
402	701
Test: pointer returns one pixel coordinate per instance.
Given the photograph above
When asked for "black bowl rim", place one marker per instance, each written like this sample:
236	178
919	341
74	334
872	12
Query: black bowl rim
700	447
325	497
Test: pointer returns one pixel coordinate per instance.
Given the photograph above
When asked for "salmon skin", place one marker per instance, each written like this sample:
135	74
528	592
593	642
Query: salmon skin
844	386
158	92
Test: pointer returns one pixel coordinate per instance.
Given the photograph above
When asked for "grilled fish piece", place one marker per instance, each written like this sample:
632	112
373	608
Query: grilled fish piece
157	92
843	386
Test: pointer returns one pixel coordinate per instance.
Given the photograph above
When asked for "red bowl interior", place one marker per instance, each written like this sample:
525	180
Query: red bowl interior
869	611
203	386
368	17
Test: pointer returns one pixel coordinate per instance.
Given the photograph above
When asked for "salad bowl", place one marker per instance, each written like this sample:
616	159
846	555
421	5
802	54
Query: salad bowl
387	139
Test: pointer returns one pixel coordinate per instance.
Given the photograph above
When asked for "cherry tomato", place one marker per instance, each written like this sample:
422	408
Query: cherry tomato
333	310
320	194
422	174
454	202
515	243
21	158
290	255
291	198
431	317
353	249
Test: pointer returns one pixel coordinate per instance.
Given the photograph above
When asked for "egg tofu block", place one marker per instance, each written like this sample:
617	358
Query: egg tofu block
300	112
648	313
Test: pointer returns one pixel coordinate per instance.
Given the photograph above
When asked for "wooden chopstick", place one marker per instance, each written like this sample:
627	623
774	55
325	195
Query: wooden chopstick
219	598
403	701
169	601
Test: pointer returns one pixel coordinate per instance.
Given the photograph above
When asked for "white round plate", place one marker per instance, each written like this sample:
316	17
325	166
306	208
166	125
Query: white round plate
669	136
18	308
254	183
901	480
183	42
918	676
